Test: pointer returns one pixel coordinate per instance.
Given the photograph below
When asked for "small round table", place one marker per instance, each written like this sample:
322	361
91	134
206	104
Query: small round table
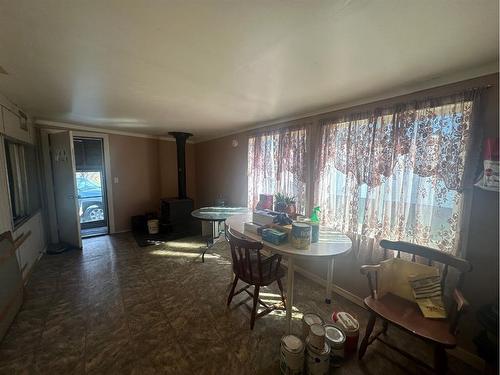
216	216
330	244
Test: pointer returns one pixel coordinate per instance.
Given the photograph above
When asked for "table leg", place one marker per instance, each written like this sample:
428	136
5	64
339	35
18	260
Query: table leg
289	294
329	281
210	241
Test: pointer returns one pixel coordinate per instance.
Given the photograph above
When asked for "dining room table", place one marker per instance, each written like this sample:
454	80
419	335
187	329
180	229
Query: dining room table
329	245
216	216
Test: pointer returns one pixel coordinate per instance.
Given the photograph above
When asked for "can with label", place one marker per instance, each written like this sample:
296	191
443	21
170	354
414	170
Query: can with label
350	326
336	338
301	235
316	336
317	361
308	319
291	355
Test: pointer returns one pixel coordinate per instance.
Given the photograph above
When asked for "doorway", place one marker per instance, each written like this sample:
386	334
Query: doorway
91	189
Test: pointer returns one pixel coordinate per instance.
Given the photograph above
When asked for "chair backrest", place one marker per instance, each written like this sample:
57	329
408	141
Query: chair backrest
432	256
247	261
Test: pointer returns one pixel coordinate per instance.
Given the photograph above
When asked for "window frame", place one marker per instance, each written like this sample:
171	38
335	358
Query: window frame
20	203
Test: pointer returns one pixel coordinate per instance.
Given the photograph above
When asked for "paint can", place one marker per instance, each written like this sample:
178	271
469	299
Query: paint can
350	326
153	226
317	336
308	319
300	235
291	355
335	337
318	361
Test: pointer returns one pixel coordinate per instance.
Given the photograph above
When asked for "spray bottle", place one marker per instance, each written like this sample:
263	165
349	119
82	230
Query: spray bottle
315	224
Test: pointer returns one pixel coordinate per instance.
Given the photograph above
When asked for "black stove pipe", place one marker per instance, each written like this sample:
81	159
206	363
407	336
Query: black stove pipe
180	140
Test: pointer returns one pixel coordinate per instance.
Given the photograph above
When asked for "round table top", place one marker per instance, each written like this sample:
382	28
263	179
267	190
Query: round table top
330	243
218	213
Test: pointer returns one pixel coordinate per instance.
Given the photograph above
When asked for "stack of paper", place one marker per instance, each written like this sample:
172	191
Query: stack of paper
428	295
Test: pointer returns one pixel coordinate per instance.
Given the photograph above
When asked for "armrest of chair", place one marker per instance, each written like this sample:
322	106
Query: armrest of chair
367	268
461	307
459	299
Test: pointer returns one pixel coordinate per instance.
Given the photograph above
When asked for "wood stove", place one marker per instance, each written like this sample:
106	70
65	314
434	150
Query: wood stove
175	213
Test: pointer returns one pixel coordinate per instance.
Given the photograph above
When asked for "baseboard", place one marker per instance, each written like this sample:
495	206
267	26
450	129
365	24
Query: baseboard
120	231
337	289
465	356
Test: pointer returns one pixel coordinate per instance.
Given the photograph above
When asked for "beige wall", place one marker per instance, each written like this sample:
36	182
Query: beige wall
134	161
221	171
225	169
147	171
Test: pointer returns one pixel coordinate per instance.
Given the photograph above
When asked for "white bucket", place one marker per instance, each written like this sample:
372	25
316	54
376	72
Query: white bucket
153	226
291	355
318	362
309	319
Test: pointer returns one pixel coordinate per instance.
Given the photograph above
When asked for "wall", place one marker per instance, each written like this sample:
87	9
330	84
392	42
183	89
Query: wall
221	171
147	171
134	161
226	169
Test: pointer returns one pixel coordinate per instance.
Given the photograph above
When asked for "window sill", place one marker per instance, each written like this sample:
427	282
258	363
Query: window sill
20	222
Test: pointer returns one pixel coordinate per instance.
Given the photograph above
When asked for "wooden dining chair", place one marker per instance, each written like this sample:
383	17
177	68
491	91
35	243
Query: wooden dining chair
253	268
407	315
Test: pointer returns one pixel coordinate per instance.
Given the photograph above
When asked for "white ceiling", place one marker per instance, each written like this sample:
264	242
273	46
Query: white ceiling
213	67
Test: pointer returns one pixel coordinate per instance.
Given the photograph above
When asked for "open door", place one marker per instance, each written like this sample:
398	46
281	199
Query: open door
63	173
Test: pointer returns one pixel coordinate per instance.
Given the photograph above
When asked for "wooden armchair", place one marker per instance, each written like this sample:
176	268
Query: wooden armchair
250	266
406	314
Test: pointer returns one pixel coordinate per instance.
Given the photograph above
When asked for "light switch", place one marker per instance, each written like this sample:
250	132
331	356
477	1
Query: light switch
115	180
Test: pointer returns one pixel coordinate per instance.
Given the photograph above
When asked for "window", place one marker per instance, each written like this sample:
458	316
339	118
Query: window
276	164
397	174
23	180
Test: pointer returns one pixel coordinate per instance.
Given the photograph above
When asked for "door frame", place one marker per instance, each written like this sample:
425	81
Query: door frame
51	208
107	173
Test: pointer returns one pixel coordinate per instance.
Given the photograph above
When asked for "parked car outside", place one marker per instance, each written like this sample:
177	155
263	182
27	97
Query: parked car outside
90	203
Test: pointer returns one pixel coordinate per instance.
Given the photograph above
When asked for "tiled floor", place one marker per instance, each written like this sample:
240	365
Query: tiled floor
119	309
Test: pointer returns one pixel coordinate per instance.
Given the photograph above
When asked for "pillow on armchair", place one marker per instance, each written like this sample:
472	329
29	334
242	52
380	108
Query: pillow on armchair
394	274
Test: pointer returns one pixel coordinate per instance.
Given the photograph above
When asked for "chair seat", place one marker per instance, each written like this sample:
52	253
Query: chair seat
407	315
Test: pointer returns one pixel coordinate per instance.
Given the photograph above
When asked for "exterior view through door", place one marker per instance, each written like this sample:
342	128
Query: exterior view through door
90	185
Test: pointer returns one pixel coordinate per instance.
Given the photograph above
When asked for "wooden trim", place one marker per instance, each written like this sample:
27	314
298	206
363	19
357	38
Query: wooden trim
15	244
21	239
12	300
58	126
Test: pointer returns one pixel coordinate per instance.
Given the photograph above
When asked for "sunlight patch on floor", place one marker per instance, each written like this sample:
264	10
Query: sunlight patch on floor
183	254
184	245
296	315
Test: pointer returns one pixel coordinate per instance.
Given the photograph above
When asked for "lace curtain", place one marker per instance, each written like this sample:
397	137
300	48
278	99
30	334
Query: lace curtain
277	164
397	174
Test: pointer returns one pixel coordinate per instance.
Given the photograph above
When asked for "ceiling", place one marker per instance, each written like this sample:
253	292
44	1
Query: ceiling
215	67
